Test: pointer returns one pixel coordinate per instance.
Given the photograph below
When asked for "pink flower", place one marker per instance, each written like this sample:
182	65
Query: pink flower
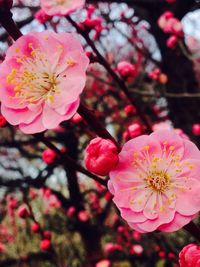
35	228
136	249
156	182
23	212
3	121
103	263
110	247
196	129
101	156
45	244
61	7
126	69
41	16
42	77
172	41
49	156
71	211
83	215
169	24
190	256
135	130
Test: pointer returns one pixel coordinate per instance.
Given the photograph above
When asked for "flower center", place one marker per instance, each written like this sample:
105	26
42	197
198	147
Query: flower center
60	2
34	80
159	181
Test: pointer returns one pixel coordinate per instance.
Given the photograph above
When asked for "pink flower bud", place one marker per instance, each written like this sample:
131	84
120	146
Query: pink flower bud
41	16
83	216
111	247
136	249
45	244
172	41
23	212
135	130
130	110
103	263
47	235
126	69
196	129
3	121
35	228
101	156
71	211
77	118
190	256
49	156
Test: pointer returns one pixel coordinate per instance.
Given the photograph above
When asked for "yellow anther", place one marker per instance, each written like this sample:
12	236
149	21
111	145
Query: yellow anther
140	201
70	62
146	147
171	148
51	98
17	50
30	45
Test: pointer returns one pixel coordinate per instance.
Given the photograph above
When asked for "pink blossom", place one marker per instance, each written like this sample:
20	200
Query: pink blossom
42	77
49	156
83	215
35	227
110	247
196	129
190	256
101	156
61	7
156	182
45	244
135	130
41	16
23	212
3	121
71	211
169	24
136	249
172	41
103	263
126	69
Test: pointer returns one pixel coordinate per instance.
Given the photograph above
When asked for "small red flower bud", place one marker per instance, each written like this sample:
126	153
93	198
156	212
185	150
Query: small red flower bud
23	212
172	41
47	235
196	129
35	228
3	121
130	110
101	156
49	156
45	244
126	69
135	130
190	256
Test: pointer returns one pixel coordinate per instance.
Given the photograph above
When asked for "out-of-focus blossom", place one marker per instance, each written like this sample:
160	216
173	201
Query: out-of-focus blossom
103	263
41	16
49	156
